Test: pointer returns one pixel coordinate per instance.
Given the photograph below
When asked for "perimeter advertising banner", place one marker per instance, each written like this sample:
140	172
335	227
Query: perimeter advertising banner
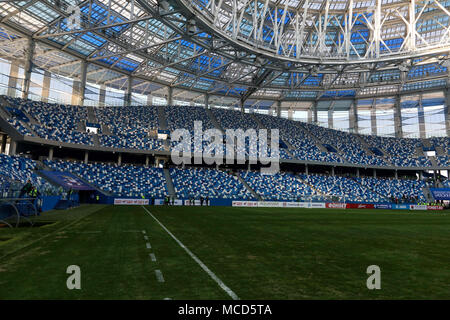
67	180
336	205
383	206
440	193
417	207
360	206
131	202
400	206
278	204
435	208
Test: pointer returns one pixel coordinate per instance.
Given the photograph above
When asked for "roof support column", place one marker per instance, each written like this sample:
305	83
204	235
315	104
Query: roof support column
206	100
314	111
290	113
12	148
46	86
28	68
12	81
309	116
421	116
279	108
373	117
398	118
447	111
169	96
83	76
3	143
149	99
353	117
102	96
330	116
129	89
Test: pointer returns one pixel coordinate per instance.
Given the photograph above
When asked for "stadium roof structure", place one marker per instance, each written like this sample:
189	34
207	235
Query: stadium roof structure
245	49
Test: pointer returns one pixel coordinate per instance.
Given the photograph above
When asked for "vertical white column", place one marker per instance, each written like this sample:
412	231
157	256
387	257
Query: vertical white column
28	68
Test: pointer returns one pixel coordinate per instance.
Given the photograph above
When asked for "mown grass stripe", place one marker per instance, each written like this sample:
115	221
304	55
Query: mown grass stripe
199	262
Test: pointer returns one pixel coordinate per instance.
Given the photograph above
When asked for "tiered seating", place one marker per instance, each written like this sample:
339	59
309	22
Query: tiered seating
229	119
305	148
443	161
129	127
444	142
347	143
19	170
55	121
208	183
401	161
346	188
130	120
20	127
125	180
183	117
279	187
62	135
131	142
403	190
400	151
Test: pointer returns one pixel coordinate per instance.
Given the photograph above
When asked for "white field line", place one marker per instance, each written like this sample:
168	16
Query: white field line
144	232
148	245
152	256
199	262
145	238
81	232
159	276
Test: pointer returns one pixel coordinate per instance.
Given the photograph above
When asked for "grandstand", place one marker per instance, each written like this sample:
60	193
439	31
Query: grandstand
353	96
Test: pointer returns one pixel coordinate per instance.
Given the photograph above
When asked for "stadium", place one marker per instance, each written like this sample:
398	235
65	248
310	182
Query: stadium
224	150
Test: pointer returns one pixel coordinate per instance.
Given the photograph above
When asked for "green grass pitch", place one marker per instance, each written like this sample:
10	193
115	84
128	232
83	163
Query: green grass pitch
259	253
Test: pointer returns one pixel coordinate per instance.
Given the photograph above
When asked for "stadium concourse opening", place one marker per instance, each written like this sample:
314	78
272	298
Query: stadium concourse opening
224	150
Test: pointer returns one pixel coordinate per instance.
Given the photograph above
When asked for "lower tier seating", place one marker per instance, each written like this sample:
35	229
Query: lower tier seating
124	180
208	183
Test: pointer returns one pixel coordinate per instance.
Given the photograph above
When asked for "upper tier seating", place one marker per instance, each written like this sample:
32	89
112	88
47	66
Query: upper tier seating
124	180
349	145
208	183
183	117
443	142
129	128
234	120
63	135
400	151
130	120
55	121
137	141
304	146
229	119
